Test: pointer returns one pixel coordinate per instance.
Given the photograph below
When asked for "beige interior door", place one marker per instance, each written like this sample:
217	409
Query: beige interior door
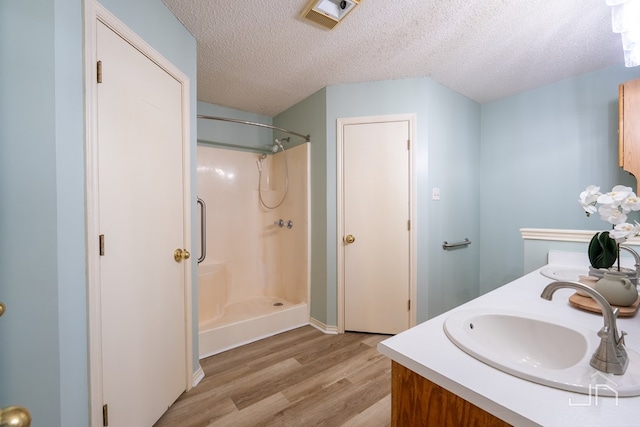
376	189
141	217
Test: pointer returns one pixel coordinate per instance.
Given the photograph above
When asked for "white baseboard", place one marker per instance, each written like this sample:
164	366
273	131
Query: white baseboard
198	376
332	330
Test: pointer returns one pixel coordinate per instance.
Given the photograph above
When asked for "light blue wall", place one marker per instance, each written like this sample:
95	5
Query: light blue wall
309	117
454	149
43	335
536	252
540	149
446	152
70	250
30	269
233	135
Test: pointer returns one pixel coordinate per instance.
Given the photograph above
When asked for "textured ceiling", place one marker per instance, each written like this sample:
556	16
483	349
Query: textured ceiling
260	56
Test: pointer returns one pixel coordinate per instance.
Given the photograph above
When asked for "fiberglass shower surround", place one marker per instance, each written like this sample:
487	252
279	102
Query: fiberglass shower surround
275	148
255	279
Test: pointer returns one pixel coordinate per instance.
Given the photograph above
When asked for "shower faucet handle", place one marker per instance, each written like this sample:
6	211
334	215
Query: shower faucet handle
279	223
289	224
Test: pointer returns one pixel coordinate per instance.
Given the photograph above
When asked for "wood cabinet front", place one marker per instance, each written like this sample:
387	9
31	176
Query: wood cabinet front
629	127
416	401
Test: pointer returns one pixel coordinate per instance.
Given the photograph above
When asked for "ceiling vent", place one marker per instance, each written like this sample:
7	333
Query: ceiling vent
328	13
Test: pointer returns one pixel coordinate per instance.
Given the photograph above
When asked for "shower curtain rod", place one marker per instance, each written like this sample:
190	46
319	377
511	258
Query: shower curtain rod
245	122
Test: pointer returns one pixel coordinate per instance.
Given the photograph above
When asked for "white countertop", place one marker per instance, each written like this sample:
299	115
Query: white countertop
426	350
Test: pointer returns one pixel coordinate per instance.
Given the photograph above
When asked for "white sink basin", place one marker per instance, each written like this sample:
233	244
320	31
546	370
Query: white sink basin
538	349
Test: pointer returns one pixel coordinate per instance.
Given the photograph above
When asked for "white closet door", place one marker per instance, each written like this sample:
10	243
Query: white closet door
376	190
141	217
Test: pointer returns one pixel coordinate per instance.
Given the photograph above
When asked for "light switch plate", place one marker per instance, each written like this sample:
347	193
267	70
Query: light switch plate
435	194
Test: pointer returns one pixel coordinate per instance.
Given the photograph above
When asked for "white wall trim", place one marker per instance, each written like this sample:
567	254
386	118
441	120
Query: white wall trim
582	236
332	330
413	202
198	376
309	225
92	211
95	12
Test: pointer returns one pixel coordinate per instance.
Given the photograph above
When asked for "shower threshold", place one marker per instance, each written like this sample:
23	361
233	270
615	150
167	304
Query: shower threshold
249	321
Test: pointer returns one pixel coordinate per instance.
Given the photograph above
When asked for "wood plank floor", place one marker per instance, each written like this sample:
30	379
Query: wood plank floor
298	378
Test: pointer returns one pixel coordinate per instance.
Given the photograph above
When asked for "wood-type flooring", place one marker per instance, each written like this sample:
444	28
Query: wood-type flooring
299	378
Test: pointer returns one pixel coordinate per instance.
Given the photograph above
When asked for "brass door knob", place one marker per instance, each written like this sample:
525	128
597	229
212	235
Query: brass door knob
2	308
180	254
349	239
15	416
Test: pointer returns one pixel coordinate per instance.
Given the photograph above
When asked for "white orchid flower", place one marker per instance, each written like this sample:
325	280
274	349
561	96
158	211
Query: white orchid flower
615	196
631	203
588	199
622	189
611	214
591	191
613	207
624	231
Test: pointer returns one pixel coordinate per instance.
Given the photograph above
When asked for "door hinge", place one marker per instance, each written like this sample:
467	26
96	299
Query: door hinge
99	72
102	245
105	415
408	144
409	305
409	225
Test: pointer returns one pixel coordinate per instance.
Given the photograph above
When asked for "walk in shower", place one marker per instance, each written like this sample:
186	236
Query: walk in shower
254	280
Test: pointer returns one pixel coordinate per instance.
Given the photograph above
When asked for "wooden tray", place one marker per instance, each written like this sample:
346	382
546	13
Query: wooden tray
587	303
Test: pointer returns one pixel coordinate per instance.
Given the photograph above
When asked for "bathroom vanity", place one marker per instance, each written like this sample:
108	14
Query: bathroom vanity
436	383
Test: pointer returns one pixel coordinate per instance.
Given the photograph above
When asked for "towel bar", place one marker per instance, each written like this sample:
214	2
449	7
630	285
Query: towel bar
446	245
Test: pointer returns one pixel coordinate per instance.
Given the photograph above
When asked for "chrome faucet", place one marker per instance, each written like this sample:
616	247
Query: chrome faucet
610	357
636	257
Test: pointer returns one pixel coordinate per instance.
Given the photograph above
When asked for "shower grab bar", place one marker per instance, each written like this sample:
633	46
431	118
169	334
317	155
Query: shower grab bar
446	245
203	230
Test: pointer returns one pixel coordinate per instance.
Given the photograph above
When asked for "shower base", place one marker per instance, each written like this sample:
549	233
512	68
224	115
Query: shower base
248	321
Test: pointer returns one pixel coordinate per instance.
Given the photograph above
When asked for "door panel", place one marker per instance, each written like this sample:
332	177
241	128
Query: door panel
376	213
141	218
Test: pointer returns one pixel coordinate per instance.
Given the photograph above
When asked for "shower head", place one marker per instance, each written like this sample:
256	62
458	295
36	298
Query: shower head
277	146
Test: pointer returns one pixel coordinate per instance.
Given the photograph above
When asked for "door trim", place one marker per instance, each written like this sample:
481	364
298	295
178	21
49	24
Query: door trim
340	124
95	12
